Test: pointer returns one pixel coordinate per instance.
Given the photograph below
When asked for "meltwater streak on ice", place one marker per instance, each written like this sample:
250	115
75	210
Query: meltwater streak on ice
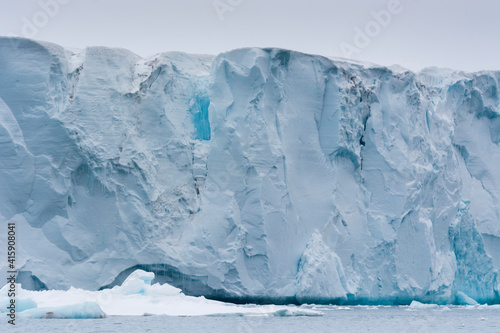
258	174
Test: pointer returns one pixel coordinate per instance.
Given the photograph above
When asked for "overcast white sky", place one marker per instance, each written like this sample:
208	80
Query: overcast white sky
459	34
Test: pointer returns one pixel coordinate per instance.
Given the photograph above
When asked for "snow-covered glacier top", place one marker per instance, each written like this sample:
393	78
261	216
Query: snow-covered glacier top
258	174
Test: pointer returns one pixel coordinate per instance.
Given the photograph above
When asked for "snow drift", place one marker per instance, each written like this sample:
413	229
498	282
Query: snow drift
258	174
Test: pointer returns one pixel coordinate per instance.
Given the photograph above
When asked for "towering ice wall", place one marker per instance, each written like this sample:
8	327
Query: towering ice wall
260	174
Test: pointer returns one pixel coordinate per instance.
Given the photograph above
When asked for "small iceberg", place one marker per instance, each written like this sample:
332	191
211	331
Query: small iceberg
87	310
21	304
138	297
418	305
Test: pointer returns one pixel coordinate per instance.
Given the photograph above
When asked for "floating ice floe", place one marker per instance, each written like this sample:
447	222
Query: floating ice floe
418	305
136	297
21	304
87	310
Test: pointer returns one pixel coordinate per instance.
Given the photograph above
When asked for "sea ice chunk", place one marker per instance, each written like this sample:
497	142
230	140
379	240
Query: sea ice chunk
87	310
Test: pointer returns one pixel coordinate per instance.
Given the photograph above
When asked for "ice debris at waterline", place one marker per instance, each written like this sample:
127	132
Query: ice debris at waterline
137	297
257	174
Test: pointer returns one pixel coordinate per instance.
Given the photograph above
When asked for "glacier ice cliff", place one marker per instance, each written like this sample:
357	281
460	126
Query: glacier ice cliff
257	174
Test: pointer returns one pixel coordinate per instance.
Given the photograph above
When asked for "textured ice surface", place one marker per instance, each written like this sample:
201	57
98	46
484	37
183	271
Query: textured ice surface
463	299
256	174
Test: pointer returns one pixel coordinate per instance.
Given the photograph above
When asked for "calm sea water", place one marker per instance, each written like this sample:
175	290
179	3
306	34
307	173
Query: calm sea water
336	319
